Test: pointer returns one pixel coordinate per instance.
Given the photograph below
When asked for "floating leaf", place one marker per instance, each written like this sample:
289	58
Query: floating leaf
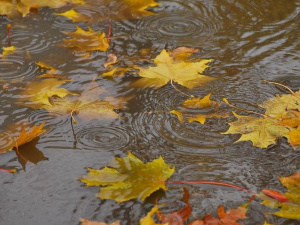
8	50
88	222
290	205
148	220
261	131
167	69
88	105
24	6
225	218
128	178
12	138
74	16
198	103
121	9
83	41
179	217
39	92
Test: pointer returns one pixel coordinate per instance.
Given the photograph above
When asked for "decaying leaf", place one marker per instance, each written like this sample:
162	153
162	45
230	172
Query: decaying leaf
289	202
111	60
88	105
12	138
88	222
225	218
37	93
86	41
167	69
179	217
128	178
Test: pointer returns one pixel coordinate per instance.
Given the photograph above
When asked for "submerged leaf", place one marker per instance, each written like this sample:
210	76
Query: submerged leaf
83	41
39	92
187	74
128	178
289	203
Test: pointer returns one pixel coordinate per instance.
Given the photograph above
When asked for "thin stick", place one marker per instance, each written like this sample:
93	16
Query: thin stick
179	90
8	31
246	110
109	32
272	82
208	182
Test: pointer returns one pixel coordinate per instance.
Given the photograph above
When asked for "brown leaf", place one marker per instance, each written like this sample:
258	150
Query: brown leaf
179	217
88	222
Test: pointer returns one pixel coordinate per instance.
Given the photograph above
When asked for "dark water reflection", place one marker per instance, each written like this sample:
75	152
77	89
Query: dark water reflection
248	40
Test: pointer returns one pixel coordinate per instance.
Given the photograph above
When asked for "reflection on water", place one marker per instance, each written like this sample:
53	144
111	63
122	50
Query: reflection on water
248	40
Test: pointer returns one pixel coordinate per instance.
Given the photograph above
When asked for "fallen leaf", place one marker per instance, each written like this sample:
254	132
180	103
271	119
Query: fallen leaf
292	120
148	220
9	50
225	218
128	178
37	93
179	217
88	222
74	16
24	6
201	118
289	207
111	60
182	53
198	103
279	106
121	9
179	115
88	105
168	70
83	41
14	138
116	72
261	131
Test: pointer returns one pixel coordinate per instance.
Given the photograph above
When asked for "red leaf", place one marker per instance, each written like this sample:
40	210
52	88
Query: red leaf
276	195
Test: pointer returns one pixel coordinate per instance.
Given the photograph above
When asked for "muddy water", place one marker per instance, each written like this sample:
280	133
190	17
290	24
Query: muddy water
248	40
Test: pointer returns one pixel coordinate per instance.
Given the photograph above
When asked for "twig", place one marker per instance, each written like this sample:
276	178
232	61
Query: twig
179	90
272	82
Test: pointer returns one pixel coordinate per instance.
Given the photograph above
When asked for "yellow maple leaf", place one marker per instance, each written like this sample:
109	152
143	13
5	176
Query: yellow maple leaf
147	220
37	93
121	9
74	16
198	103
261	131
83	41
8	8
187	74
8	50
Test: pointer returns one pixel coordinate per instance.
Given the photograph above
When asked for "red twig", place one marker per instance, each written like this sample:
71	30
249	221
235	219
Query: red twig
208	182
8	31
8	171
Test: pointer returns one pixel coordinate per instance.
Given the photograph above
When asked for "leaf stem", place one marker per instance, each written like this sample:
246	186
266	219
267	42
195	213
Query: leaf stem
172	83
279	84
209	182
246	110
